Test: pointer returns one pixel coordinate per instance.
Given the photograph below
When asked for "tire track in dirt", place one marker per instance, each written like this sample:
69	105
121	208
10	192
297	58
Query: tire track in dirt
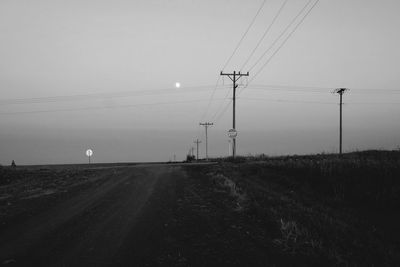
87	229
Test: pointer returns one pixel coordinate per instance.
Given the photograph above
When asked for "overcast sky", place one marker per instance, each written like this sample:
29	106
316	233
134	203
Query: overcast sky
102	74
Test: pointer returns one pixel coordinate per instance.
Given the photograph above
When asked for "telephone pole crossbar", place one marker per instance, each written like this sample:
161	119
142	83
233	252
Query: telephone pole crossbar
235	76
206	125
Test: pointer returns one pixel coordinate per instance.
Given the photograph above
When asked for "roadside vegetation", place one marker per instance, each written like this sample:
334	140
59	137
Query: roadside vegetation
325	209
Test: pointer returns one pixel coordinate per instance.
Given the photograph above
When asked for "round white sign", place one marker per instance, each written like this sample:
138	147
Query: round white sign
232	133
89	152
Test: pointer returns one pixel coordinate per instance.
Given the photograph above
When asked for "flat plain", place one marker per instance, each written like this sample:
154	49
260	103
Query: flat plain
316	210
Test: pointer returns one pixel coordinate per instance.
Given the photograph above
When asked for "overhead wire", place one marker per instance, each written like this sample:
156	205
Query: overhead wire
265	34
231	56
317	102
287	101
276	40
280	35
217	118
103	107
220	107
210	99
316	89
91	96
244	35
285	40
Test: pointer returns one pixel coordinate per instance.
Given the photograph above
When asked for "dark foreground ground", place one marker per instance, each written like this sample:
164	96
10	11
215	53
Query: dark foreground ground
264	212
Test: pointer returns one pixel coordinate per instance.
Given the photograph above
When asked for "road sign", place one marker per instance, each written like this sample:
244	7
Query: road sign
232	133
89	152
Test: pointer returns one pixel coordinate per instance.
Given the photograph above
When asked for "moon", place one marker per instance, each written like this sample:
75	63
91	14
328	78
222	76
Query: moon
177	84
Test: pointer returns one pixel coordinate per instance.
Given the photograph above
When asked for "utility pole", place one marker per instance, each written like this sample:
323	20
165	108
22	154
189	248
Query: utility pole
340	91
197	142
235	76
206	125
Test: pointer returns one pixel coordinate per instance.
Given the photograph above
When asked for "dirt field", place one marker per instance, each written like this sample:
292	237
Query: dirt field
179	215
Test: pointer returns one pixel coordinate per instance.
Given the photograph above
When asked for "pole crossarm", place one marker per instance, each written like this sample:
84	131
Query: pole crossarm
341	91
235	76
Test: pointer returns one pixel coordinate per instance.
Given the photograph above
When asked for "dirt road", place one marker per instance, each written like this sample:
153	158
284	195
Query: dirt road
132	216
99	226
178	215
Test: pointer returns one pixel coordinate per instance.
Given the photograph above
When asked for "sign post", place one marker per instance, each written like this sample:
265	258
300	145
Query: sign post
232	133
89	153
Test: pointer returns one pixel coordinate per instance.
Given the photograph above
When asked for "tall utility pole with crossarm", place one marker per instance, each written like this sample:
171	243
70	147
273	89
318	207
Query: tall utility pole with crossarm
340	91
206	125
235	76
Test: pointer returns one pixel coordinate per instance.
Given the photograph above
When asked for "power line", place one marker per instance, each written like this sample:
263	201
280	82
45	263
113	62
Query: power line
277	39
102	107
287	90
225	109
231	56
278	88
315	89
372	103
280	36
67	98
290	86
210	99
286	101
316	102
265	34
217	118
220	107
285	40
122	94
244	35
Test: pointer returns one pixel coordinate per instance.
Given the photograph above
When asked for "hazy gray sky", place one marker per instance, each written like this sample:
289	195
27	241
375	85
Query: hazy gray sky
123	57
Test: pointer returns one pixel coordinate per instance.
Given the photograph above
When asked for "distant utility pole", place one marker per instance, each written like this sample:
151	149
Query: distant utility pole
340	91
235	76
206	125
197	142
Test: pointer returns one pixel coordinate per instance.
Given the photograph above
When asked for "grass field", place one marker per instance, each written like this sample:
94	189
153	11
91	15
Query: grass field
343	209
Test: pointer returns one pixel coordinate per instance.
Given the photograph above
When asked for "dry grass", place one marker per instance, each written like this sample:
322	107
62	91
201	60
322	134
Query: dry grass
344	210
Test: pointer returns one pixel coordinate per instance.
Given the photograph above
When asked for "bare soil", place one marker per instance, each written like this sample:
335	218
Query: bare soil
177	215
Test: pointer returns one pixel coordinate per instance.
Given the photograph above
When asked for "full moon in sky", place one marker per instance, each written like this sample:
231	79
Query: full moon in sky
177	84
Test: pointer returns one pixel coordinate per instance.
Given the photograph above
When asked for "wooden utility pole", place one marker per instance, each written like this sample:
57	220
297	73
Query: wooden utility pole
206	125
197	142
235	76
340	91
